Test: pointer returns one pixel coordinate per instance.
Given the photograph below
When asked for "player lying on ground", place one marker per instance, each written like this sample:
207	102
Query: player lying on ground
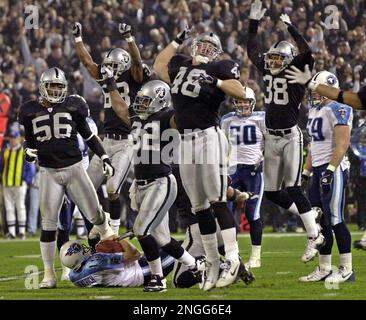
51	124
283	156
329	126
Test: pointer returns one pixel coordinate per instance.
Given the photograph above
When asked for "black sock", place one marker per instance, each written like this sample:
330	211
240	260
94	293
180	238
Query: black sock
256	229
223	215
298	197
62	237
328	235
115	209
48	236
343	237
150	247
206	221
173	248
280	198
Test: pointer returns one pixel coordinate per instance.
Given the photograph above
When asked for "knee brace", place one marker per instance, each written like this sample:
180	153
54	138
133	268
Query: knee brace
297	196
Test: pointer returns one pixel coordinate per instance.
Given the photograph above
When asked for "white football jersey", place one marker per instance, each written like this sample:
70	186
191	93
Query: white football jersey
246	137
320	126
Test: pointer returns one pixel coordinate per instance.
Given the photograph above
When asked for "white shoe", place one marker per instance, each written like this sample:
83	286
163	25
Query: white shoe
312	248
317	275
48	283
65	276
253	263
115	229
104	230
229	273
211	275
343	275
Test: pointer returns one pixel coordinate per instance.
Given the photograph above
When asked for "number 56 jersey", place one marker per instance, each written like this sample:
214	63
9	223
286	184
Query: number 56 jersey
321	124
53	130
197	105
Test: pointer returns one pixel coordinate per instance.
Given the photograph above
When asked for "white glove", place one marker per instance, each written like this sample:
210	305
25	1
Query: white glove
108	169
30	154
107	72
245	196
285	19
256	11
295	75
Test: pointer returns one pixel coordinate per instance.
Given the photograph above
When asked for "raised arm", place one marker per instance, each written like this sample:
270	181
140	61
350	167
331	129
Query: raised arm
162	59
299	39
83	53
136	66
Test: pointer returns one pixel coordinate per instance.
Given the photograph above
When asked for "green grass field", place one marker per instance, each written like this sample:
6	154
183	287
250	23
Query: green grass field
277	279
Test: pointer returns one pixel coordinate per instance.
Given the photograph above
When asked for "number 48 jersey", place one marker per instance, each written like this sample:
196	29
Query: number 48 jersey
53	130
246	137
321	124
197	105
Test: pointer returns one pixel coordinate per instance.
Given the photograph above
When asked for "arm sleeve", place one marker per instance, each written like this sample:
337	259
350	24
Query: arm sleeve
302	59
299	39
255	56
80	114
362	95
95	146
227	69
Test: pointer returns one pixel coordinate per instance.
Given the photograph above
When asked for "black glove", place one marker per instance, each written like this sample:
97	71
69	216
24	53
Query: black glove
206	79
30	154
108	169
326	180
76	30
125	30
183	35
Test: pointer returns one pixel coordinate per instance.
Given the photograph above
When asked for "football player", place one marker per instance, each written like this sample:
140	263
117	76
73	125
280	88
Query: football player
199	83
329	126
51	124
246	130
125	268
129	73
284	141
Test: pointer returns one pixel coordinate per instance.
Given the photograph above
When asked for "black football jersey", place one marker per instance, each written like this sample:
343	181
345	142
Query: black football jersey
362	96
197	105
149	142
128	89
53	130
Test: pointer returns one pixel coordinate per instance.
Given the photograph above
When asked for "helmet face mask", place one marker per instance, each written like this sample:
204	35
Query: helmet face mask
244	107
118	60
207	45
152	97
279	57
53	85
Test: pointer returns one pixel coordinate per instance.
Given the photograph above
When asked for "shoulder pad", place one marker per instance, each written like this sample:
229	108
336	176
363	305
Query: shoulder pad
76	103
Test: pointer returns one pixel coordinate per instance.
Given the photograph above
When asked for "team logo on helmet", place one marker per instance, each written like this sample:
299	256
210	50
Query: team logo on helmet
331	80
160	92
74	248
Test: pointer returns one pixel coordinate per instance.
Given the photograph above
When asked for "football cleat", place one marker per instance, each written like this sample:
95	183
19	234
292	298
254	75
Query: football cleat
343	275
156	284
211	275
253	263
228	274
200	264
48	283
360	244
244	274
317	275
312	248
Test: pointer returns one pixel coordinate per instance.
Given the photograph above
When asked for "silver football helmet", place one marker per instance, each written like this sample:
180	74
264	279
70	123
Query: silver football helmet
73	253
279	56
119	60
245	107
151	98
206	45
53	85
323	77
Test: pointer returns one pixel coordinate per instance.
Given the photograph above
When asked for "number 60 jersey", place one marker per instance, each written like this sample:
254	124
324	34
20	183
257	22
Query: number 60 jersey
197	105
53	130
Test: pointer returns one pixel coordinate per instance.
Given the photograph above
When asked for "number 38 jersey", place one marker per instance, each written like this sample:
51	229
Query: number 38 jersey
53	130
246	136
128	88
197	105
321	124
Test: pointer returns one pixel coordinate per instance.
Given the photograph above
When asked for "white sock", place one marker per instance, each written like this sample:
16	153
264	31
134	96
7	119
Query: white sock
325	262
293	209
188	260
48	250
155	267
256	252
21	230
345	260
230	244
308	220
364	236
209	242
115	223
12	230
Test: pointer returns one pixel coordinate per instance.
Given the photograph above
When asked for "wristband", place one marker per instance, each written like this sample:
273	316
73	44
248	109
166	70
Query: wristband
129	39
78	39
306	172
331	168
219	83
111	85
104	156
175	44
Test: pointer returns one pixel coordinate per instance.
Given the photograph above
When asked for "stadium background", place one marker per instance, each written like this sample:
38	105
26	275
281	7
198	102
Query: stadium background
24	54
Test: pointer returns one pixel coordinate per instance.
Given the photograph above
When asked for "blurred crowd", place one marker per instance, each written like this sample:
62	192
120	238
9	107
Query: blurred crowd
338	44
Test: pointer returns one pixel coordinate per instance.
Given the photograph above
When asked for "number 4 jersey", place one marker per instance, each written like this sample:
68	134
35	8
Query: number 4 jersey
53	130
197	105
321	124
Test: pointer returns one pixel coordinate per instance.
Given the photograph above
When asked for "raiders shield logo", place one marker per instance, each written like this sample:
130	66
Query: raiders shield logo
49	109
160	92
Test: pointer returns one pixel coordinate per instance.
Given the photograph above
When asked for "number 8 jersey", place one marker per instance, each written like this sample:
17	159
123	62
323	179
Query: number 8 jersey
53	130
197	105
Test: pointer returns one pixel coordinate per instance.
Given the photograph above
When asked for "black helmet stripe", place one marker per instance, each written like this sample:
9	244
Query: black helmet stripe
56	71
